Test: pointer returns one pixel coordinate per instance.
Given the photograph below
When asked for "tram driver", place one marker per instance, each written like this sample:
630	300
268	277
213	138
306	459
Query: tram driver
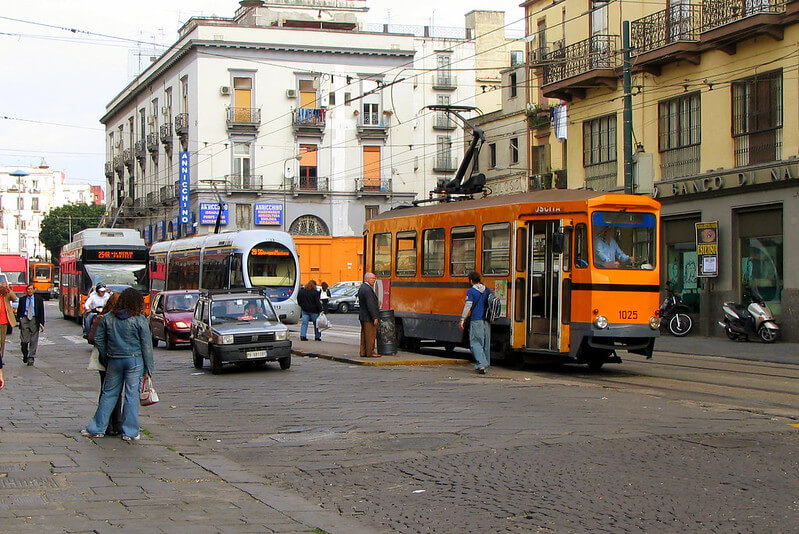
607	252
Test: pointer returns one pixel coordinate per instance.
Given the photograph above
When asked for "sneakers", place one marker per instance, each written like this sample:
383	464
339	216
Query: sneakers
137	437
481	370
30	361
303	339
88	434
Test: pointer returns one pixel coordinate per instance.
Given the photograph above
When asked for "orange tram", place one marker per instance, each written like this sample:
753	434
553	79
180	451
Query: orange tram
576	271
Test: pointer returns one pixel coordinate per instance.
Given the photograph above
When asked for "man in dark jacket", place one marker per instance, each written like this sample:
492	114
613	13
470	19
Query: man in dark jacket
368	315
30	315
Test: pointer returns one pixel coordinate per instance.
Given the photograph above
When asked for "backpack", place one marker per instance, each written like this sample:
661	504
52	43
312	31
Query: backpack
493	307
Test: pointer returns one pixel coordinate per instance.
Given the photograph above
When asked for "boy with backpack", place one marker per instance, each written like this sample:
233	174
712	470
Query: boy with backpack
477	305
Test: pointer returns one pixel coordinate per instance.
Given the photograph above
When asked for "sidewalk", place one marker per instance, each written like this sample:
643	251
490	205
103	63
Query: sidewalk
53	479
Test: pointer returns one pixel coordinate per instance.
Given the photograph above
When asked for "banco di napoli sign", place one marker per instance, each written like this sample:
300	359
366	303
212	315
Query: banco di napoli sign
719	182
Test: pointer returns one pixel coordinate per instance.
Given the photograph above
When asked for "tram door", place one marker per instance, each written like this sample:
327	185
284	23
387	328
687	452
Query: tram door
543	327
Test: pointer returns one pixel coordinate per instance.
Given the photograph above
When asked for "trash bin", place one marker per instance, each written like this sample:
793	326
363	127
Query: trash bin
386	333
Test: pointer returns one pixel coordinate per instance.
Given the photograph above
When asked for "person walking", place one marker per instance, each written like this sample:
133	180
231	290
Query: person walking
7	318
124	342
311	306
115	422
479	328
368	315
30	315
324	296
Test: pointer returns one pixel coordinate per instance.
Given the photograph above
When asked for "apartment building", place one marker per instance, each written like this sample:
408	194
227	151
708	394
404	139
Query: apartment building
27	194
714	129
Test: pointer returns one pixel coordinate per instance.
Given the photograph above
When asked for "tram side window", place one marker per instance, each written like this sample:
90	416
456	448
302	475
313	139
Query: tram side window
236	274
381	251
406	253
215	271
496	249
433	252
581	246
462	248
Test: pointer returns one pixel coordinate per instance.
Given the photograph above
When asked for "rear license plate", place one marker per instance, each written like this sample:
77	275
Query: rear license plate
256	354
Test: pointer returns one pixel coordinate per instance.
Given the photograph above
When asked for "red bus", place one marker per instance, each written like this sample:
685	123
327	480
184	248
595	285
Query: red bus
15	267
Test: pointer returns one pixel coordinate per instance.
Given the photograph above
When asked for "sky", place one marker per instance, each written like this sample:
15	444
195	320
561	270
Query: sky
56	81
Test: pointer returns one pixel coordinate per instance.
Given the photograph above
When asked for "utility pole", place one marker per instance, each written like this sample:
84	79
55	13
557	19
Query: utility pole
70	227
628	110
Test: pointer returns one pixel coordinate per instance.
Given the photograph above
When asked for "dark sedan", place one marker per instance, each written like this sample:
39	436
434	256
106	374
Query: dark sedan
170	316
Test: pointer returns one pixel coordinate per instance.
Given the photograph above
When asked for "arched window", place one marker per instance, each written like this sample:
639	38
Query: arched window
308	225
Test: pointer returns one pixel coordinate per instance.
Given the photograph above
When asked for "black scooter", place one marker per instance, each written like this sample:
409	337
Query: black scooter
674	314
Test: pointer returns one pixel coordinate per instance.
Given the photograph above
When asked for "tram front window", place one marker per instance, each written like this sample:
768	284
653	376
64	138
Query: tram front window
623	240
272	265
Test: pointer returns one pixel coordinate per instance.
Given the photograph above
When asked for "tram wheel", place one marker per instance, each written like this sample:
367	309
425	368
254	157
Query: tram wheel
596	361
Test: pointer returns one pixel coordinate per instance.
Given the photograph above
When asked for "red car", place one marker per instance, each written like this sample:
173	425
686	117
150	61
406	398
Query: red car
170	316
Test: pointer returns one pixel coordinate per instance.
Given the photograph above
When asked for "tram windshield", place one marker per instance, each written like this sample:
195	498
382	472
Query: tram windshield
116	274
272	265
624	240
42	272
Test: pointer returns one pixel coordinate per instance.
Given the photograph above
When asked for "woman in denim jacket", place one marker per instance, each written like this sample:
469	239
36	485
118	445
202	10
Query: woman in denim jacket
124	342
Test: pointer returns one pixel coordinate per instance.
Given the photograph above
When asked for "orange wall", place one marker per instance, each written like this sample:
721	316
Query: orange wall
330	259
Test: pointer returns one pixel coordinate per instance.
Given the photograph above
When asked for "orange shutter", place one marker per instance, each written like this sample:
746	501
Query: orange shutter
242	99
308	155
371	167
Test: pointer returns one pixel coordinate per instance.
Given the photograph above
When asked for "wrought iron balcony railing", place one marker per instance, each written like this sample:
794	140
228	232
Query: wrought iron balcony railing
182	124
445	164
372	185
152	200
717	13
243	117
315	117
310	184
596	52
119	164
445	81
167	194
127	156
152	142
443	122
166	133
245	182
678	23
140	149
109	169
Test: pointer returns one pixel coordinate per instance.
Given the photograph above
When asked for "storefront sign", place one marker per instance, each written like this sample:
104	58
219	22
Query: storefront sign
160	230
707	249
705	184
183	189
209	211
268	214
148	234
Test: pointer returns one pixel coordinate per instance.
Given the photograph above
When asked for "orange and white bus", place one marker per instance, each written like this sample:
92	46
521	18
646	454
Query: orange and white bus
540	253
42	275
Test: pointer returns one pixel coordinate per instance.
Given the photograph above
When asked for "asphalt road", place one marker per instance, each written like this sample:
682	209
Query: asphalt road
678	443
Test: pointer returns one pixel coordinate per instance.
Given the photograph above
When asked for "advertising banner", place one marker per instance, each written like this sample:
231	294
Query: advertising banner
268	214
707	249
183	189
209	211
160	230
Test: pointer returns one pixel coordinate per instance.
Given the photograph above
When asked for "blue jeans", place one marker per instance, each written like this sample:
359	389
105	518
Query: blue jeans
306	316
120	372
480	343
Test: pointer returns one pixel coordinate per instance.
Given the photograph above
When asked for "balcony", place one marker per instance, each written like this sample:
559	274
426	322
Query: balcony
140	150
310	185
128	159
165	132
245	182
372	186
109	169
138	206
152	143
445	81
443	122
373	125
182	125
152	200
243	120
119	165
167	195
444	164
727	22
589	63
666	36
309	121
539	118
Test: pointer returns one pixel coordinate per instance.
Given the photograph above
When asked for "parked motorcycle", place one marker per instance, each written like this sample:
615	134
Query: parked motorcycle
674	314
741	321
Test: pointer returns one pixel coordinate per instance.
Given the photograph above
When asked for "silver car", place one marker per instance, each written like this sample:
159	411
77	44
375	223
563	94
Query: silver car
343	299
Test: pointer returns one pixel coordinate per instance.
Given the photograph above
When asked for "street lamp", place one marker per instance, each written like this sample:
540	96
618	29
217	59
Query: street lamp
288	175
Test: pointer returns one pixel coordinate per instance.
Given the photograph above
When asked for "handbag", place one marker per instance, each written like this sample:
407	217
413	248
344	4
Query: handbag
94	361
147	395
322	322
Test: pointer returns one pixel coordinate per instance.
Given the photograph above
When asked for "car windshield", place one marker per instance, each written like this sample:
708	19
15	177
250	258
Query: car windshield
242	310
177	303
624	240
344	292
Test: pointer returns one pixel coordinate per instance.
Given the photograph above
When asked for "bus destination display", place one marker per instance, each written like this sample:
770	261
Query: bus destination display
115	255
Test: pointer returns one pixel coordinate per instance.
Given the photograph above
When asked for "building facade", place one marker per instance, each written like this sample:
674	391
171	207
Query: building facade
714	130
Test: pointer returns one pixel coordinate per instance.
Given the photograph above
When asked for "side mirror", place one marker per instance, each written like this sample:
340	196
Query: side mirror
78	266
558	242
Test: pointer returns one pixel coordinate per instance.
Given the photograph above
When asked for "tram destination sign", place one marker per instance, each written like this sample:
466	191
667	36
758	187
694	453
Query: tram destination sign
707	249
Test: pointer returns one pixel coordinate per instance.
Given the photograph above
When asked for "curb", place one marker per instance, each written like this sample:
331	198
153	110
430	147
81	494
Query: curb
375	362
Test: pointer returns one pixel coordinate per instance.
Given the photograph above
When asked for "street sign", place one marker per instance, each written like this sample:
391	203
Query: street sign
707	249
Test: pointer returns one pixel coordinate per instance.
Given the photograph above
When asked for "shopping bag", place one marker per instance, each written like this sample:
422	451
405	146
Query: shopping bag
94	361
147	396
322	322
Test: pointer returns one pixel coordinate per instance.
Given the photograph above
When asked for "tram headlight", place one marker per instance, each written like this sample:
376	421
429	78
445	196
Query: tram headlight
654	323
601	322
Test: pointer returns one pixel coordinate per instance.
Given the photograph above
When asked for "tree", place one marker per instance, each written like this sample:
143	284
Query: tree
55	232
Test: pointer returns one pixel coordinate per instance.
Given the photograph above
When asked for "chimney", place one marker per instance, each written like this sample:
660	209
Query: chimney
252	3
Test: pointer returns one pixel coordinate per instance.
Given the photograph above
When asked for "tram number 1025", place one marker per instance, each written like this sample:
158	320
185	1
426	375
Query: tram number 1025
628	314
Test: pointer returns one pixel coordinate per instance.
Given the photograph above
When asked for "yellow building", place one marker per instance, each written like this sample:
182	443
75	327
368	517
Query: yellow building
715	130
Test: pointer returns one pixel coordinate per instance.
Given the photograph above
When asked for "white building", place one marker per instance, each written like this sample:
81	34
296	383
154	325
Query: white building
27	194
293	113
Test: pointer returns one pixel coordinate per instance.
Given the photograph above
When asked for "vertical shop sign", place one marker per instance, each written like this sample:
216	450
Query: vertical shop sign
183	189
707	249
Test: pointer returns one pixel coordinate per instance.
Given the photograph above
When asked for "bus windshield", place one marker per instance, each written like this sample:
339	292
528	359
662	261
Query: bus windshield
41	271
272	265
116	274
15	277
624	240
